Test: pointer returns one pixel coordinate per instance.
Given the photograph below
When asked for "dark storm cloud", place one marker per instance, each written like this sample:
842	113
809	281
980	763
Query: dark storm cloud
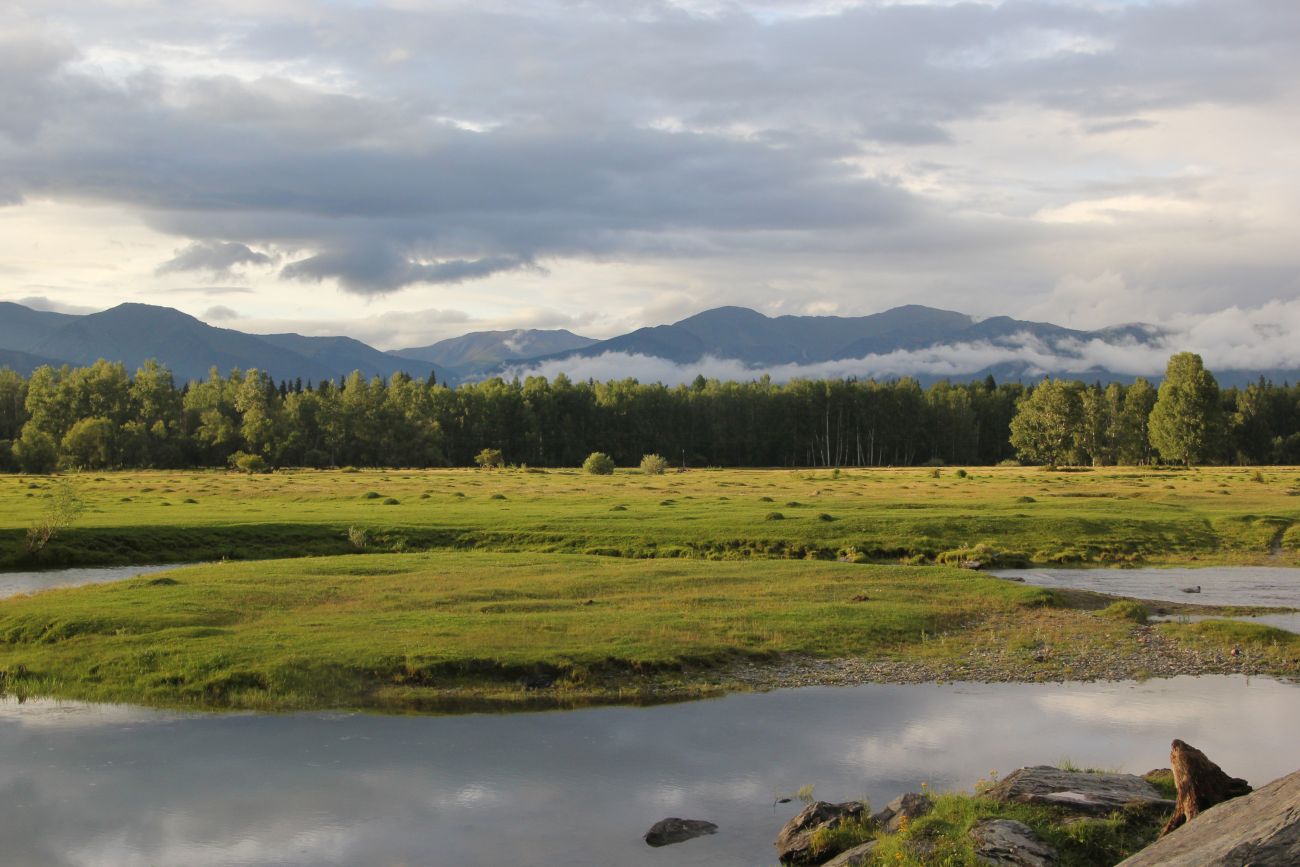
380	268
214	256
384	147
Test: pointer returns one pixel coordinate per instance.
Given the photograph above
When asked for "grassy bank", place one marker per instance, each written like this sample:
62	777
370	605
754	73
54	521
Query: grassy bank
1021	515
943	835
457	630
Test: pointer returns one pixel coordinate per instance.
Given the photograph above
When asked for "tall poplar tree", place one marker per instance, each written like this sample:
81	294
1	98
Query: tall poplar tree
1187	420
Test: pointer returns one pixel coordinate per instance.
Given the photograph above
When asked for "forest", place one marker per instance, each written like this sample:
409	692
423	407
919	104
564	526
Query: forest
103	417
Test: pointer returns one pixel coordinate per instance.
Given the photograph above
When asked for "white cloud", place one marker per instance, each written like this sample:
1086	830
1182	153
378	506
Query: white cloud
1233	339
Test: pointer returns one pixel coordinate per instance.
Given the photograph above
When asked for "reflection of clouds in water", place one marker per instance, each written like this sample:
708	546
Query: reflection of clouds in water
1170	708
668	795
112	786
45	714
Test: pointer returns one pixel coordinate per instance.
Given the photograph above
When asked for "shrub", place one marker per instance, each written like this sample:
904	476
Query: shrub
245	463
774	516
1126	609
961	474
825	517
598	464
1025	500
654	465
490	459
65	507
371	495
357	537
392	501
497	497
935	473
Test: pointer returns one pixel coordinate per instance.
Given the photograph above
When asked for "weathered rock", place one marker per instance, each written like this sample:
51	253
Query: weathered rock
1005	841
911	806
668	831
1261	829
1200	784
855	857
794	843
1091	794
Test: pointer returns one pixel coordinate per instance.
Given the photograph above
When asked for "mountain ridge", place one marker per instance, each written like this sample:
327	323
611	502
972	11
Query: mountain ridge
748	339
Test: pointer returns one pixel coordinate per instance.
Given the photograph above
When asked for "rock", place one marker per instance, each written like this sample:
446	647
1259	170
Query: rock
1261	829
855	857
911	806
1200	784
794	843
1090	794
1005	841
668	831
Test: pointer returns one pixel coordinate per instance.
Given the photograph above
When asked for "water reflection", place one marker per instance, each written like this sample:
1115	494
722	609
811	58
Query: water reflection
93	785
1222	585
14	583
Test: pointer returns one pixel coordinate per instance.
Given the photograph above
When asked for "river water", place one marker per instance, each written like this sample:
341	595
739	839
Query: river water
101	785
14	583
108	785
1219	585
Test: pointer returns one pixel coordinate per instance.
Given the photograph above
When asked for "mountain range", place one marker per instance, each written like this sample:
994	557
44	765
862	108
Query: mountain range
132	333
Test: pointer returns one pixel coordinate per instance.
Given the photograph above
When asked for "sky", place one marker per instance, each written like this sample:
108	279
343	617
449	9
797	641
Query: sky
404	171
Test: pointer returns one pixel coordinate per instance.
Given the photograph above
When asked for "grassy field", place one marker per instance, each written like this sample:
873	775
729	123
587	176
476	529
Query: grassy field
460	630
459	589
393	630
1027	515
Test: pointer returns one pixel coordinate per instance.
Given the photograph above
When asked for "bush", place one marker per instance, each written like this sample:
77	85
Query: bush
1126	609
654	465
961	474
245	463
598	464
490	459
775	516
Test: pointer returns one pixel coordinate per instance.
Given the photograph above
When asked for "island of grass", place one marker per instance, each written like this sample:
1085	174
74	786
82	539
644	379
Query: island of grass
998	516
469	630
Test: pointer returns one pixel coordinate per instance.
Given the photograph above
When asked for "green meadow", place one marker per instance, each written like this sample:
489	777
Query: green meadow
456	589
1024	515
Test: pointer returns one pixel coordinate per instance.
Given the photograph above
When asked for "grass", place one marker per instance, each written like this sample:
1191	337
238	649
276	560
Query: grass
413	631
1011	515
941	838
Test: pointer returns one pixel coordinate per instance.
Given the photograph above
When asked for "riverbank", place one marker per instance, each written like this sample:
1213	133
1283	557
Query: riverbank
476	631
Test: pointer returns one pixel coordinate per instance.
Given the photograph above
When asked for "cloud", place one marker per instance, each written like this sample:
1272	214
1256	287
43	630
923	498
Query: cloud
219	258
42	302
219	313
379	268
208	290
841	153
1232	339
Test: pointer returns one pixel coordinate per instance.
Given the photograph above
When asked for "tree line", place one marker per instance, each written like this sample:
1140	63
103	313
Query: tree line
102	417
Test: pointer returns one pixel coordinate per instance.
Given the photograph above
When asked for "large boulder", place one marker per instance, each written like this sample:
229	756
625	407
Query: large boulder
907	807
1008	842
1077	791
858	856
1200	784
1261	829
794	845
673	830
